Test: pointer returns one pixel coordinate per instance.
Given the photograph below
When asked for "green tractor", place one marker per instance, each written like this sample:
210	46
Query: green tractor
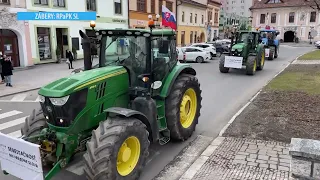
246	50
135	94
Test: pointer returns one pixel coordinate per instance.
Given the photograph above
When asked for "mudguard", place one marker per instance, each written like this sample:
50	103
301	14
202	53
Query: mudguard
171	78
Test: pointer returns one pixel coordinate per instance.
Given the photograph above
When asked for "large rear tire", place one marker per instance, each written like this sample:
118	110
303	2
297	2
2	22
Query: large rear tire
261	61
251	65
276	53
183	107
271	54
221	65
34	123
118	149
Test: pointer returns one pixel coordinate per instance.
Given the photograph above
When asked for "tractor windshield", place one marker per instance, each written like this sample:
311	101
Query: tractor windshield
243	37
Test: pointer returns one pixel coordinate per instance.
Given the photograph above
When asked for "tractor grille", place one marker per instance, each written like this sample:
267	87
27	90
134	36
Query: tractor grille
63	116
100	92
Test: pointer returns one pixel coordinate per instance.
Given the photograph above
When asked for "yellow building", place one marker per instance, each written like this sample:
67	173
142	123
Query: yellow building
140	9
192	20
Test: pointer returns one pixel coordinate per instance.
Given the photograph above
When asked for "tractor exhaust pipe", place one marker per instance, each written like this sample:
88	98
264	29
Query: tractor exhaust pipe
86	46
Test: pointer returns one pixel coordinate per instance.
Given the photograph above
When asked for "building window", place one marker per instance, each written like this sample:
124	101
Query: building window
117	7
142	5
59	3
313	16
182	18
262	18
169	5
291	17
160	6
44	43
202	19
41	2
273	18
216	20
4	1
91	5
195	18
191	37
183	38
274	1
153	6
191	17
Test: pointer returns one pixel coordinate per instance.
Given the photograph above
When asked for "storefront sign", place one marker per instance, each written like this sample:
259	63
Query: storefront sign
20	158
139	22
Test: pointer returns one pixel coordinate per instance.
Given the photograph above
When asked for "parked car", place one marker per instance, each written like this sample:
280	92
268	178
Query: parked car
226	42
207	47
195	54
220	48
317	44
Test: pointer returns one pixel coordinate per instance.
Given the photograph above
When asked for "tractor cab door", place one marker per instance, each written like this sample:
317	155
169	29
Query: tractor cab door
164	57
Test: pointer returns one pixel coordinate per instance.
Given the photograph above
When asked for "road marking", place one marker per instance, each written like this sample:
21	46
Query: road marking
19	97
8	114
38	99
15	134
12	123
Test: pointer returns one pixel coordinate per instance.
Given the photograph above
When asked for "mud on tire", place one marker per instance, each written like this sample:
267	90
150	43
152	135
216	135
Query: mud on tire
102	150
173	101
34	123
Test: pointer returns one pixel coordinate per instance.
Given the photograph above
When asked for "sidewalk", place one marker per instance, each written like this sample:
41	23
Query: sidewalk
238	158
34	78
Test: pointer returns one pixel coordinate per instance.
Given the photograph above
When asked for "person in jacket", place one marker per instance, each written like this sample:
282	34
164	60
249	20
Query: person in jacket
70	57
7	70
2	76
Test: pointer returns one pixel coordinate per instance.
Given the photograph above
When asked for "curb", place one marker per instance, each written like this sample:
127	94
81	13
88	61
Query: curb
32	89
196	166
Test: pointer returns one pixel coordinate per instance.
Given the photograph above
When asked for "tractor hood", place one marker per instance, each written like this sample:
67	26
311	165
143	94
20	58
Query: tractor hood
78	81
238	47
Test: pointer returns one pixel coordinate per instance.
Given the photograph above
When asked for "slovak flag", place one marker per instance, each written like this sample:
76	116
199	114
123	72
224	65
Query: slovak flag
168	18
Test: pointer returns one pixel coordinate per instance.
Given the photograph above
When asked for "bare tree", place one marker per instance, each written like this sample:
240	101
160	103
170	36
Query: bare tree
316	5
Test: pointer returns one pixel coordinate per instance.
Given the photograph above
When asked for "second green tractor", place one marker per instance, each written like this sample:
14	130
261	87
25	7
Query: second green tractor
246	49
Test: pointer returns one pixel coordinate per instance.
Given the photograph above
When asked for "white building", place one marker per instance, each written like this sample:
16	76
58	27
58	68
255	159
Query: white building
47	36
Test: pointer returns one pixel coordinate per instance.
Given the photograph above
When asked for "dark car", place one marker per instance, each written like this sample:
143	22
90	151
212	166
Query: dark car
220	48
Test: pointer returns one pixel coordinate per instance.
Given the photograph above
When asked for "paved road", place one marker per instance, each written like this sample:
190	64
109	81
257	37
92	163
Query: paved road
223	95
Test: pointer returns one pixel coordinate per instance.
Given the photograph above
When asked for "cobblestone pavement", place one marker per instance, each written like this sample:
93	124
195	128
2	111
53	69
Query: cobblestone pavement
237	158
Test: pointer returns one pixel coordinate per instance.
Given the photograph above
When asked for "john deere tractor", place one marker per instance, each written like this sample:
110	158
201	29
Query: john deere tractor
135	94
245	50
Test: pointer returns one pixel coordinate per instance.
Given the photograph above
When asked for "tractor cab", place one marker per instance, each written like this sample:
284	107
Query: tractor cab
148	55
245	42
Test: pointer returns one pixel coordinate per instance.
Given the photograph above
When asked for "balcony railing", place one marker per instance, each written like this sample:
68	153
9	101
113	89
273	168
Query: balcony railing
5	2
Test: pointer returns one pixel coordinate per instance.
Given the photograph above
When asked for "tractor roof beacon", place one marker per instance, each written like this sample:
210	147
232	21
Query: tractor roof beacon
268	37
246	50
136	94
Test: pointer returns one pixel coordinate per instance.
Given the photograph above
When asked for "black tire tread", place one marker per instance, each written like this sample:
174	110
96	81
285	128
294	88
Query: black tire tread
34	123
172	106
250	64
221	65
101	149
202	59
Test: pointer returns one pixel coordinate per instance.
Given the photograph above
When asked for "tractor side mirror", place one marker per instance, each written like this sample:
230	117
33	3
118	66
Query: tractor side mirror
164	47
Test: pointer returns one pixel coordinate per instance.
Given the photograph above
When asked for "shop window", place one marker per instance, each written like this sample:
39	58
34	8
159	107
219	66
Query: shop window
41	2
117	7
273	18
44	43
153	6
91	5
142	5
59	3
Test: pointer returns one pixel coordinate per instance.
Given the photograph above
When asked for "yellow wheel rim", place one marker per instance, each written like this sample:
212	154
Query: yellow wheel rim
262	59
255	65
128	156
188	108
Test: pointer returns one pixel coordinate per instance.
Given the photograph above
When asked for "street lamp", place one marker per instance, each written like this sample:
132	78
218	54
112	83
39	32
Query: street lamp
92	24
152	21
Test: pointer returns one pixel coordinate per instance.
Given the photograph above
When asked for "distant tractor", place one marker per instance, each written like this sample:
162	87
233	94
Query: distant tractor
272	45
246	50
134	94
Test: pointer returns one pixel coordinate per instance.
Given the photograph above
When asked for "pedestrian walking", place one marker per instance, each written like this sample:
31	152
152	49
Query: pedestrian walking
7	70
70	59
2	76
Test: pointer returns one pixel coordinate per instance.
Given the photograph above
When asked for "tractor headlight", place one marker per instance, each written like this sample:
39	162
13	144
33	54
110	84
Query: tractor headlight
59	101
41	99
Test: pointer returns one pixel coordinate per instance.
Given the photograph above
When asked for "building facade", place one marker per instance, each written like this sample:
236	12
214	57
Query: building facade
140	9
50	37
234	12
192	22
14	35
293	18
213	12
